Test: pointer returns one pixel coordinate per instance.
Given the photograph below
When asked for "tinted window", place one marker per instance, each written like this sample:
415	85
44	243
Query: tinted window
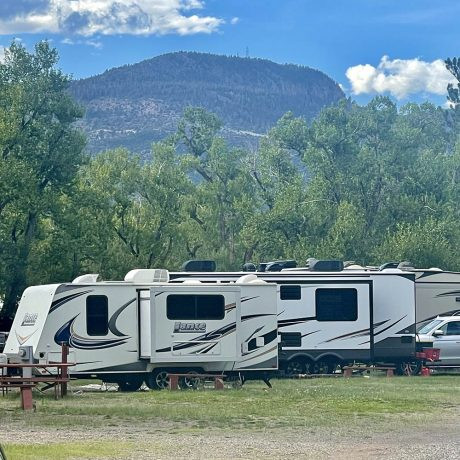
97	315
453	328
336	305
194	307
290	292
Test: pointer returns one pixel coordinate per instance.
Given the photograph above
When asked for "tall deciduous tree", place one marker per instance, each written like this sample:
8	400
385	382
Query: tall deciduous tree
40	153
453	91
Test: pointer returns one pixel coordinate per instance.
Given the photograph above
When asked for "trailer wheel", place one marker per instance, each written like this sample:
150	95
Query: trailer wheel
130	384
323	367
158	379
295	367
189	383
409	368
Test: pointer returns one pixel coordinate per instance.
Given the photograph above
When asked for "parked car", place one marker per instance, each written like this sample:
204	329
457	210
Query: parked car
445	333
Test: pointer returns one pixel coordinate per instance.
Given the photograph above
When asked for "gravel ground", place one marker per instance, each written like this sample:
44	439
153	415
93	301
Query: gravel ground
165	442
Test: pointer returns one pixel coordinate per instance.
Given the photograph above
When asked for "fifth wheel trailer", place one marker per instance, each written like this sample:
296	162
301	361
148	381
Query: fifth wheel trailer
141	328
327	318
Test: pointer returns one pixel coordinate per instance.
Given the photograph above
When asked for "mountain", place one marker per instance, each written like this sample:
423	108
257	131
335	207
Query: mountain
136	104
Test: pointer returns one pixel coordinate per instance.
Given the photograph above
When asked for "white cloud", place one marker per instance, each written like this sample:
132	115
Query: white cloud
106	17
234	20
94	43
400	77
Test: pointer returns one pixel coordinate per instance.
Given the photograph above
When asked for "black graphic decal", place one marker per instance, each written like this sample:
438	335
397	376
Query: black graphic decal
113	320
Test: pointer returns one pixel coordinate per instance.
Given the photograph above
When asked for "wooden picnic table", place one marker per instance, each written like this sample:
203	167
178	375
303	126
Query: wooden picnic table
59	379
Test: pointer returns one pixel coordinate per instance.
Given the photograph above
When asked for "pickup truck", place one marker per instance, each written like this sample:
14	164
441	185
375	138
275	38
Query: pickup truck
444	332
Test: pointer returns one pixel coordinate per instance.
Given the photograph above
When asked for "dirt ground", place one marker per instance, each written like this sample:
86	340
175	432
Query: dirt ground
440	441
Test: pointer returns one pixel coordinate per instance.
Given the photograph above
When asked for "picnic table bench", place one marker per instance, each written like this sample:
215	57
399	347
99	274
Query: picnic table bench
348	370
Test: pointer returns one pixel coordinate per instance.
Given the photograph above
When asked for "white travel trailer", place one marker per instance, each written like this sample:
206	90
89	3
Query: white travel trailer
327	319
141	328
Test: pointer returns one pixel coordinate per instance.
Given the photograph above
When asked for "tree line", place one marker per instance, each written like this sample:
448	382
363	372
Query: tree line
369	183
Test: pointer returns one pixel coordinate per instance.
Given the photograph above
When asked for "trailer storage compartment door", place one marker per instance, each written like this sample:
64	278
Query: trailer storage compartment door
193	324
144	324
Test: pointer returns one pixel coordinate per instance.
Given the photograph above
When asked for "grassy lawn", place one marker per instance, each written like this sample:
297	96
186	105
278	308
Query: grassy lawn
319	404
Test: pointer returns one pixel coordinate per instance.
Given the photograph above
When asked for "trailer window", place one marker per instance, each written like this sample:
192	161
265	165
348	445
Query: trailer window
204	307
290	292
336	305
97	315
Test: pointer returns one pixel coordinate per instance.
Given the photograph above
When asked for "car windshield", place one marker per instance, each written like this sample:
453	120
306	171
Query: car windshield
430	326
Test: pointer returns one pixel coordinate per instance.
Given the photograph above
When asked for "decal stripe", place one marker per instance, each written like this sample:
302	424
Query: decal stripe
360	333
66	334
58	303
213	335
113	320
390	326
290	322
449	294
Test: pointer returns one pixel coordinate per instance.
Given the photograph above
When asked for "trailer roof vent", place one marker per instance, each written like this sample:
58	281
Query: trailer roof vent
277	265
88	278
388	265
147	276
191	282
246	279
406	266
325	265
199	266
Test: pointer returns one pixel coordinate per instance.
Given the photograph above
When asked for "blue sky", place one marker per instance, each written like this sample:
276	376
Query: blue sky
347	39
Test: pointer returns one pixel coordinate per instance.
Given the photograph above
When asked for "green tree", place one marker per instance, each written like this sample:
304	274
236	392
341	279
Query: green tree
453	91
40	153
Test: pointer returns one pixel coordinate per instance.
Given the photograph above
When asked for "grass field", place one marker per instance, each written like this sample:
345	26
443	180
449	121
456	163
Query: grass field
162	424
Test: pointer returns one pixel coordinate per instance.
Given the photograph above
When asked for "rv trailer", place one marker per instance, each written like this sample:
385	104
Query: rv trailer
330	318
141	328
437	293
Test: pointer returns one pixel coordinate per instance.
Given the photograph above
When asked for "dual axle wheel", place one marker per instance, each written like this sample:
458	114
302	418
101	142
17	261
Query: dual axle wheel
300	366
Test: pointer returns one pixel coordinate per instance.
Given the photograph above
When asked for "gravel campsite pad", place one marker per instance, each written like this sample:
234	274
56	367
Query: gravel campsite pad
359	418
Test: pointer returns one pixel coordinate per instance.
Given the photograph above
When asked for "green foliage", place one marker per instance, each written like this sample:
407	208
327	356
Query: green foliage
40	153
453	66
367	183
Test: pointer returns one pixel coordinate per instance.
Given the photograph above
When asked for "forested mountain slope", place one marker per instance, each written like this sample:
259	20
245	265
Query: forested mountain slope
136	104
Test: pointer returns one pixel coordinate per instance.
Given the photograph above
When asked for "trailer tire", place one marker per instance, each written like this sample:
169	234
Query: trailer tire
158	379
189	383
408	368
298	366
129	383
323	366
